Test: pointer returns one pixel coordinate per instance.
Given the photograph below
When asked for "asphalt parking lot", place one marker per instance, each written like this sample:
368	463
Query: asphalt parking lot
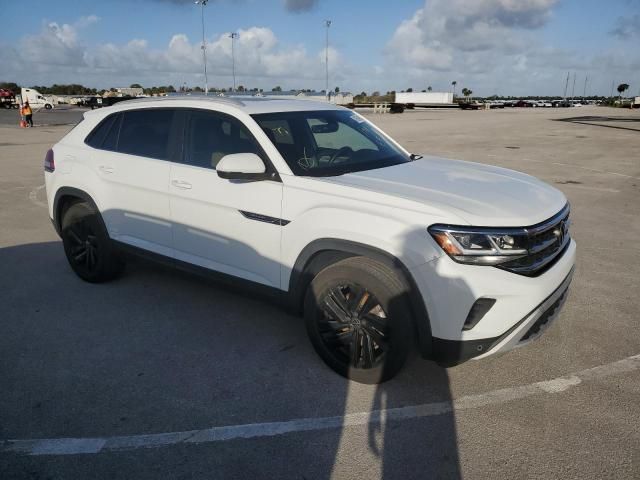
162	375
59	116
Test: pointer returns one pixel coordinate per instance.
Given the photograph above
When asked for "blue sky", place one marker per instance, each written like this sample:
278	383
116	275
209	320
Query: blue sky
515	47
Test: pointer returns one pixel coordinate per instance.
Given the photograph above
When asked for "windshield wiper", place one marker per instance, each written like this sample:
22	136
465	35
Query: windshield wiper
415	156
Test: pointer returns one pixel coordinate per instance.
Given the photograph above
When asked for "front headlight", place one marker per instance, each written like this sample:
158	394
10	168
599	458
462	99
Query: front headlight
481	246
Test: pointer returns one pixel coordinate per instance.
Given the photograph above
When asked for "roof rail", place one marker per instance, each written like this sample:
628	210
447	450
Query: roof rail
213	98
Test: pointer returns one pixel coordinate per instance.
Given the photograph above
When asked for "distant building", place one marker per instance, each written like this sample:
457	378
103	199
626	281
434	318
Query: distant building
342	98
131	92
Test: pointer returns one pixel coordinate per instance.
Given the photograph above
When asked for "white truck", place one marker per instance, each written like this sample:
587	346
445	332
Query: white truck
36	99
424	98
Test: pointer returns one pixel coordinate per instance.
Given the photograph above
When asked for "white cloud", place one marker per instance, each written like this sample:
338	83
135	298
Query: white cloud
627	27
298	6
57	54
490	46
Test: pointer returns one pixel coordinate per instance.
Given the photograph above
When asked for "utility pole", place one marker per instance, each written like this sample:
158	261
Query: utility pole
574	85
202	4
566	86
233	36
612	83
327	24
584	92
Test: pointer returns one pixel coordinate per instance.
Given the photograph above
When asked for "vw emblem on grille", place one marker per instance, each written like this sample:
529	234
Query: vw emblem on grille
561	232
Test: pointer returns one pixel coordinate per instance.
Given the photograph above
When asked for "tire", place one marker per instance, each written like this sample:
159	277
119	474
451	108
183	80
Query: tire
358	320
87	245
47	106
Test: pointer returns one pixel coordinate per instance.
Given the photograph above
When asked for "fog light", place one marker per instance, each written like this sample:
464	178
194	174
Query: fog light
478	310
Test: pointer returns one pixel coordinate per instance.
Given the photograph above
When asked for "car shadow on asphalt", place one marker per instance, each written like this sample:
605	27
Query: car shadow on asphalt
159	351
601	121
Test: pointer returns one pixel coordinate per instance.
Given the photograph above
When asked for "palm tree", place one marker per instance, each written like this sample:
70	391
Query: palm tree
466	92
429	88
621	88
454	83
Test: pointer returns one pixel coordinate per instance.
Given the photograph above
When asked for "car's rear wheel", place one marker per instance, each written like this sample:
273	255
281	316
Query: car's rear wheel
358	319
87	245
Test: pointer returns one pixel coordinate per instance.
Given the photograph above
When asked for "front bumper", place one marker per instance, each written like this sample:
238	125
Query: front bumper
524	306
450	352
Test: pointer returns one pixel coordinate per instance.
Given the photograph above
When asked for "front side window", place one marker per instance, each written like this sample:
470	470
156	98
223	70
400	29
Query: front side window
146	132
327	143
212	135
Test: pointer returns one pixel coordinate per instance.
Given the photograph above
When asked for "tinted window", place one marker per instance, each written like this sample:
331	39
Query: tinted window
212	135
146	132
326	137
111	140
329	142
96	138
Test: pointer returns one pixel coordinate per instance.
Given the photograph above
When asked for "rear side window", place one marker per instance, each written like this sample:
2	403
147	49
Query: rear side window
146	133
97	136
111	139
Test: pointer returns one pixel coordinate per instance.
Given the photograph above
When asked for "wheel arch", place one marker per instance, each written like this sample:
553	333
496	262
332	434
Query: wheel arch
64	197
324	252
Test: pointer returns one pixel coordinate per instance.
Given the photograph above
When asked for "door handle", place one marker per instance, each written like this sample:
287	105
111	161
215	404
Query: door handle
181	184
106	169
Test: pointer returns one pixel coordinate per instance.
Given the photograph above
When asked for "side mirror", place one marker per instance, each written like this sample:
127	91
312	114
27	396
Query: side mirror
242	166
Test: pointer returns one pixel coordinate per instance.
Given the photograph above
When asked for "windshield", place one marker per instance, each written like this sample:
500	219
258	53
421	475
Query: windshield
328	142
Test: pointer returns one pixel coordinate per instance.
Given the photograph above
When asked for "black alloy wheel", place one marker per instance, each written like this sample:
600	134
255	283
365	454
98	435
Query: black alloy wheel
87	245
83	246
354	326
359	320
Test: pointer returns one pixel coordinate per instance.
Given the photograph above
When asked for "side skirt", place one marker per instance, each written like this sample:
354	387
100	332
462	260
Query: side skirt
234	284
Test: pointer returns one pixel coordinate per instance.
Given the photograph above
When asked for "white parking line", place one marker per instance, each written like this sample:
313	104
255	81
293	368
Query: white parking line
77	446
33	196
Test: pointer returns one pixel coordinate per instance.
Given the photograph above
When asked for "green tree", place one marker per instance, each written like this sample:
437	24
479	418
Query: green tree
409	89
240	88
14	87
621	89
429	89
135	85
277	88
336	90
466	92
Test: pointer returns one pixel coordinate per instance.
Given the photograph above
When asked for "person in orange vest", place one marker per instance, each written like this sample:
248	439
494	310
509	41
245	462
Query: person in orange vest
27	113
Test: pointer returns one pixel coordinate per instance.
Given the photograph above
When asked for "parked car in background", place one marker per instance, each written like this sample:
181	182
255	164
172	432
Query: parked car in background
381	250
471	105
99	102
495	104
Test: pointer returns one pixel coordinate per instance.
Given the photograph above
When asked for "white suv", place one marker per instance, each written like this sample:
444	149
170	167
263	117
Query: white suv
380	249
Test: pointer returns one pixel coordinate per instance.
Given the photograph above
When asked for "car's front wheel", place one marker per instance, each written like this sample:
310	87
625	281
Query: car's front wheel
358	319
87	245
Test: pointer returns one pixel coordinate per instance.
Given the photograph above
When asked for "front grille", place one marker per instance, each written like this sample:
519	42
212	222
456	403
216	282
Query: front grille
547	241
545	317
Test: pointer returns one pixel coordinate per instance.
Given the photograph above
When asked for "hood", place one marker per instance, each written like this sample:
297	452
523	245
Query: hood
480	194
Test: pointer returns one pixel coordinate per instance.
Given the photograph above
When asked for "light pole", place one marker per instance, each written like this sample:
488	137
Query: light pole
233	36
202	4
327	24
